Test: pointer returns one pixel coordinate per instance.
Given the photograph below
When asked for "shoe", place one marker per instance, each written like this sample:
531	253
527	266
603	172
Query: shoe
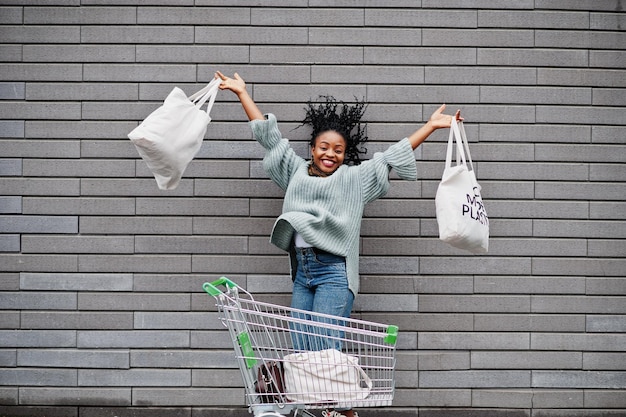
333	413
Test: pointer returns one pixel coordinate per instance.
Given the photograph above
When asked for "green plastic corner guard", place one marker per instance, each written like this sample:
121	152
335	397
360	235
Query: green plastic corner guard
392	335
211	287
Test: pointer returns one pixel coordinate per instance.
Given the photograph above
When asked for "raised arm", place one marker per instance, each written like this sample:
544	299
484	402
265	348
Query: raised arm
238	86
437	120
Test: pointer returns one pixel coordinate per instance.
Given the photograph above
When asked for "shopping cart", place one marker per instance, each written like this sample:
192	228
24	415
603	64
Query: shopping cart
294	360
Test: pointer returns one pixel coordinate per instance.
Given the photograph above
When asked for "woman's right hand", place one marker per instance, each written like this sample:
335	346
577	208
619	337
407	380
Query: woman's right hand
237	85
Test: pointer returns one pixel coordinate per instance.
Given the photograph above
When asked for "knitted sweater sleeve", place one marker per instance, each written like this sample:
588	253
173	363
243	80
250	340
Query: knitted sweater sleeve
280	161
375	172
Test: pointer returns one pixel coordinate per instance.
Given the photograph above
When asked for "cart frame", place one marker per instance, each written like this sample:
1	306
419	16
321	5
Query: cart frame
268	336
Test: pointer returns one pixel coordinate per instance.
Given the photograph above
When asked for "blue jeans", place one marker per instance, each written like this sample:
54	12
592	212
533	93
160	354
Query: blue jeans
320	286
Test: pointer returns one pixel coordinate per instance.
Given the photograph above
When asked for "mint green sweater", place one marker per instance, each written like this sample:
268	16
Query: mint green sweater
327	211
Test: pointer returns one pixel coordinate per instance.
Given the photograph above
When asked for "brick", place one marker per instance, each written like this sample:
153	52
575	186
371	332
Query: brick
604	360
193	16
191	244
485	341
134	377
134	263
77	396
607	248
424	94
10	167
136	225
215	377
183	359
137	412
52	411
81	130
610	210
592	153
11	53
8	396
10	243
591	267
388	227
38	224
576	77
529	285
524	209
83	91
37	338
530	95
268	73
478	265
577	342
579	39
306	55
76	282
365	36
39	110
607	97
130	187
78	168
605	285
39	377
40	149
171	320
38	301
139	73
252	35
513	398
41	72
537	247
195	53
578	304
529	322
306	17
38	263
606	324
133	302
533	171
474	379
579	379
8	320
606	134
11	128
79	53
133	339
533	19
192	206
137	34
72	358
9	281
474	303
587	229
360	75
79	206
220	264
435	397
478	37
567	114
83	16
606	59
526	360
539	133
186	397
608	398
236	188
40	34
11	15
535	57
61	320
10	205
12	91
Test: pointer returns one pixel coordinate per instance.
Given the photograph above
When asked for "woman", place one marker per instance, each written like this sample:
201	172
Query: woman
325	197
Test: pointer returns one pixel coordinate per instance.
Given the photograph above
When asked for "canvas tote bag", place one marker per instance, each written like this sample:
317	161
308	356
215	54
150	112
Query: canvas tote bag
324	376
171	136
461	214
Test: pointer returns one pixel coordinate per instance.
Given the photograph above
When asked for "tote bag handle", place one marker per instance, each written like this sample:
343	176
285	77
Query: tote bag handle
457	134
207	93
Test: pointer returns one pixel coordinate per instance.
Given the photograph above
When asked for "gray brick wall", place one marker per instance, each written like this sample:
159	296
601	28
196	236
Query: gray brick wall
101	307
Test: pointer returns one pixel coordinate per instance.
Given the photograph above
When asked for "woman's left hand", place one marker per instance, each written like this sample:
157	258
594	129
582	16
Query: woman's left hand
439	120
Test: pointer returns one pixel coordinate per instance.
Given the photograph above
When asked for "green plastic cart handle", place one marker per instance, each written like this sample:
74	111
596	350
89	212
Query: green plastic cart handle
392	335
211	287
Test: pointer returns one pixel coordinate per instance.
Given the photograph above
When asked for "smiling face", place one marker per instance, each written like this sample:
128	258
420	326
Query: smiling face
328	151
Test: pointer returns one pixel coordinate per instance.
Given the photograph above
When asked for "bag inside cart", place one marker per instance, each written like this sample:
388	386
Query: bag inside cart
325	376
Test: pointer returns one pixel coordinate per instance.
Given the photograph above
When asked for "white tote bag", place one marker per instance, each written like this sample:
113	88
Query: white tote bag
324	376
171	136
461	214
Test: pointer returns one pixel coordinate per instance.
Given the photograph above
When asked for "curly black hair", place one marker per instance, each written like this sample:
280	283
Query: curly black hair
343	118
